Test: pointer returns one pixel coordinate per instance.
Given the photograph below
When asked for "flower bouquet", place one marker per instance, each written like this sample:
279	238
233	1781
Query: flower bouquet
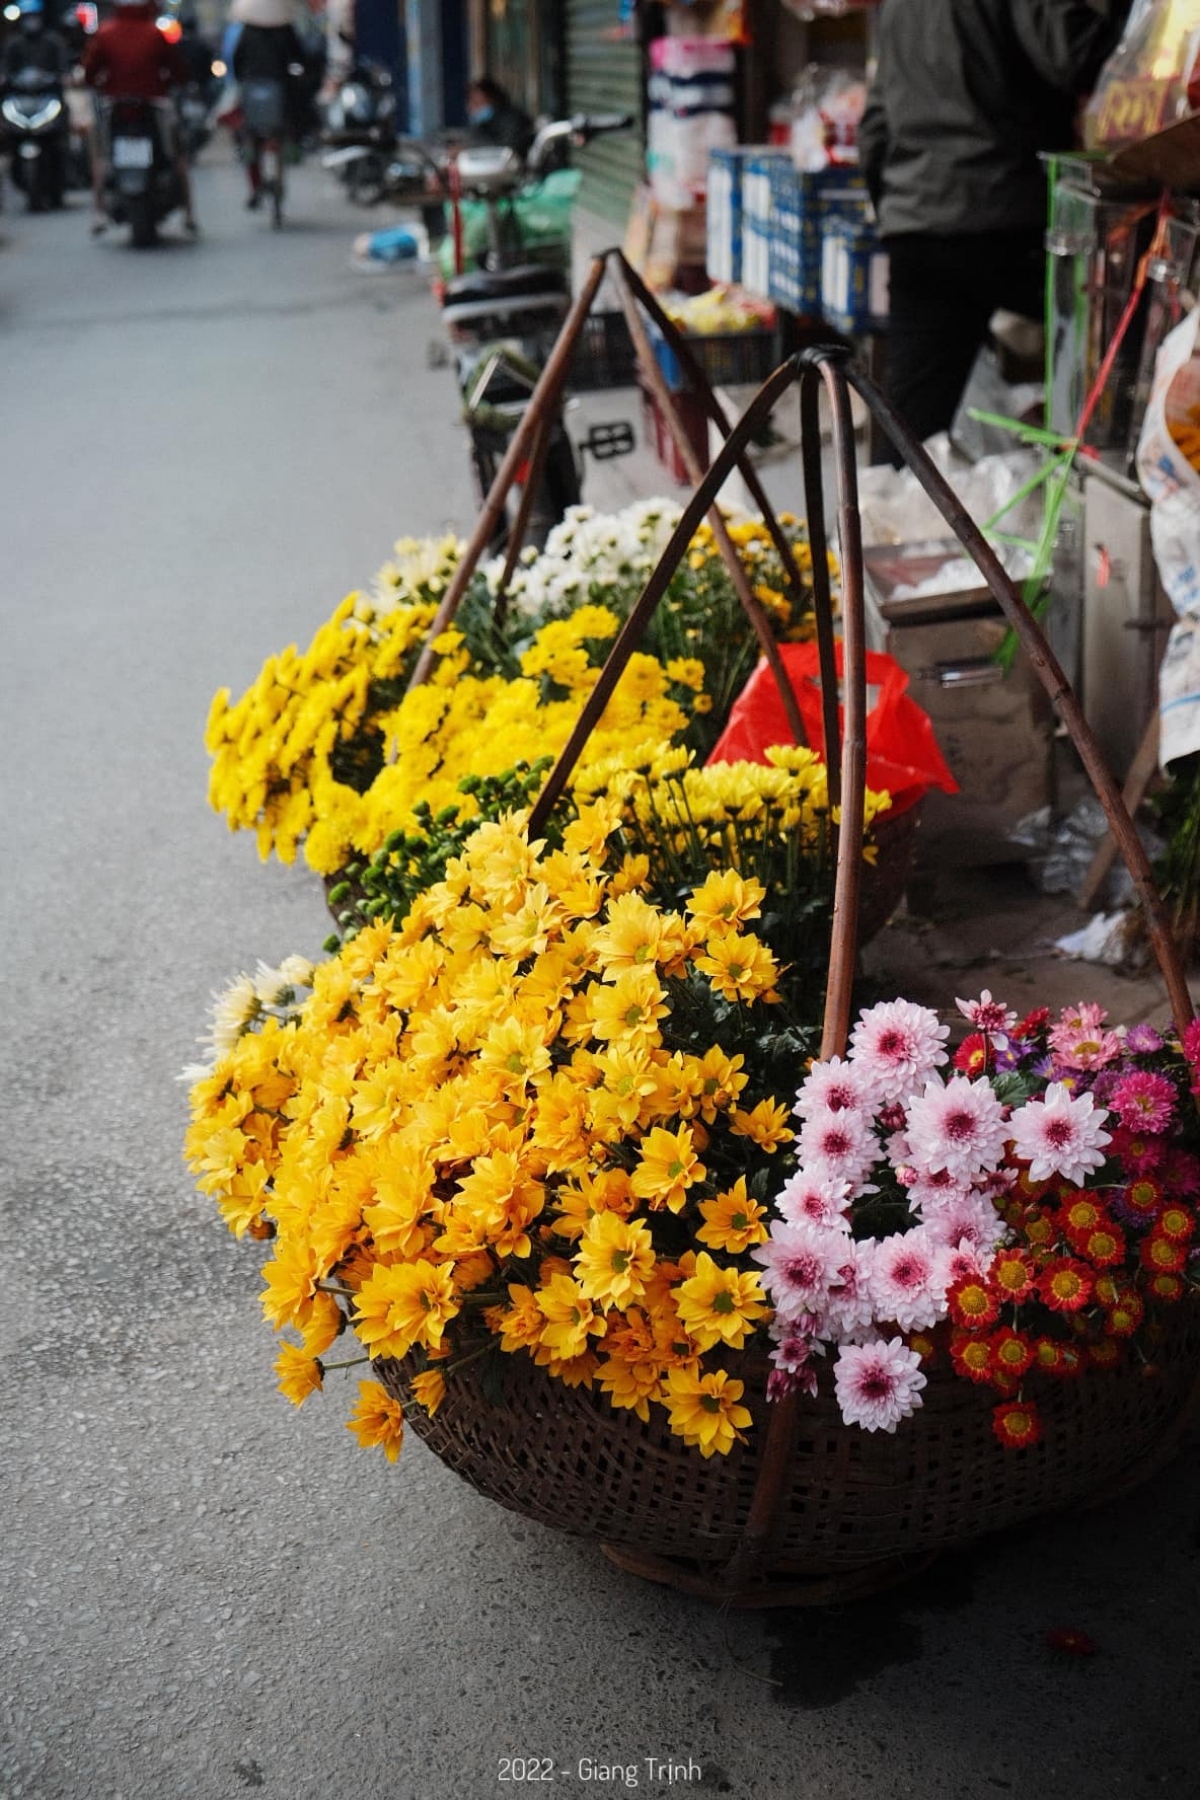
328	752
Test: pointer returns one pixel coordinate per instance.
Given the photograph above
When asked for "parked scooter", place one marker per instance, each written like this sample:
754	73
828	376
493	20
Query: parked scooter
37	132
360	132
142	185
502	318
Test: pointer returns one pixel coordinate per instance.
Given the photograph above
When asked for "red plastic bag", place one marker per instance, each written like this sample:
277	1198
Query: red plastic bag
902	752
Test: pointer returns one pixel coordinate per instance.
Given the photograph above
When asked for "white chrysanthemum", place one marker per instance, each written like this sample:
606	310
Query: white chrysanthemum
838	1146
1060	1134
232	1012
895	1045
878	1384
908	1280
807	1199
958	1125
833	1086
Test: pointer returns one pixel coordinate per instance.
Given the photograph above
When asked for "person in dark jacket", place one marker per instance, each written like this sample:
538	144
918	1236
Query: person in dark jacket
967	95
495	118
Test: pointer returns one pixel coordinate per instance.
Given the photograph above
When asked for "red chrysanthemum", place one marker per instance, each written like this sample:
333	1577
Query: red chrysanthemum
1144	1196
1012	1275
1079	1212
1161	1256
1012	1351
1181	1172
1166	1286
972	1303
1123	1319
1037	1229
971	1057
1108	1289
1176	1222
1065	1285
1105	1354
1137	1152
1047	1354
1016	1424
1103	1245
971	1356
1032	1023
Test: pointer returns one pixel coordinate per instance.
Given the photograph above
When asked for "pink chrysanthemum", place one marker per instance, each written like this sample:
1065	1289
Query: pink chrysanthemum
933	1187
793	1361
838	1146
833	1086
1144	1102
1060	1134
908	1280
894	1046
801	1263
1190	1041
814	1200
850	1308
958	1125
877	1385
1079	1040
969	1219
986	1014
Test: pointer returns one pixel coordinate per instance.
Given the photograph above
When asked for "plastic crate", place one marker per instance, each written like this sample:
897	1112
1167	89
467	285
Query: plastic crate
726	170
604	356
802	206
854	277
728	358
658	435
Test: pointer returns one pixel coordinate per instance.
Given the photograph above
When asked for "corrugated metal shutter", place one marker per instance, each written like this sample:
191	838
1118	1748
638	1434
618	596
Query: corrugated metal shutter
604	74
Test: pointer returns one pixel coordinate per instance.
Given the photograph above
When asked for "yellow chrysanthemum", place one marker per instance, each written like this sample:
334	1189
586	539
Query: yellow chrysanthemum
669	1166
299	1374
720	1305
403	1304
704	1409
615	1260
377	1420
733	1222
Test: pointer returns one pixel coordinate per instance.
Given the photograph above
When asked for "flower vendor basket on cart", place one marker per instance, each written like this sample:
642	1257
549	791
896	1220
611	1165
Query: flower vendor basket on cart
808	1508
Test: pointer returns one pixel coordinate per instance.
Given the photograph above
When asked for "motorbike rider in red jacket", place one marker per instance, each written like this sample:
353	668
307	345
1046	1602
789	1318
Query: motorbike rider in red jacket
129	58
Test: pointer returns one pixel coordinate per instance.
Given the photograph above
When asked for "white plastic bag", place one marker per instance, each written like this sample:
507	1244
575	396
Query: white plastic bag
1173	484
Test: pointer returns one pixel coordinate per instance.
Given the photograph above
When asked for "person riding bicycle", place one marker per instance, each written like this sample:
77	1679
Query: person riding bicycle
268	48
129	58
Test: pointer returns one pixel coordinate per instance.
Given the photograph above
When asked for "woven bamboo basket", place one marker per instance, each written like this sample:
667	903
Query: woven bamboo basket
854	1500
810	1509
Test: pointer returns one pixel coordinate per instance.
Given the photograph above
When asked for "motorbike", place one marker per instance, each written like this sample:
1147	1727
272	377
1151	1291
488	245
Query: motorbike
142	185
37	129
502	318
359	132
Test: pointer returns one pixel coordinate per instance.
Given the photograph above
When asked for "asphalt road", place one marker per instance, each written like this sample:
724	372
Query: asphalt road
203	1591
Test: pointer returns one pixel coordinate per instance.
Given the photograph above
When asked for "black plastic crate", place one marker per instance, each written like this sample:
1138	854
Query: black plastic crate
604	356
728	358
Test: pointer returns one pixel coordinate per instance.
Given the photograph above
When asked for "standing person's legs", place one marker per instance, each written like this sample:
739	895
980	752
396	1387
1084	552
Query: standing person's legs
252	155
941	301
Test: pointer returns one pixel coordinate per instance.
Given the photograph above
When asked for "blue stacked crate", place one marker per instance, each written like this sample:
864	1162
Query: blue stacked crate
854	277
803	206
757	171
725	211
